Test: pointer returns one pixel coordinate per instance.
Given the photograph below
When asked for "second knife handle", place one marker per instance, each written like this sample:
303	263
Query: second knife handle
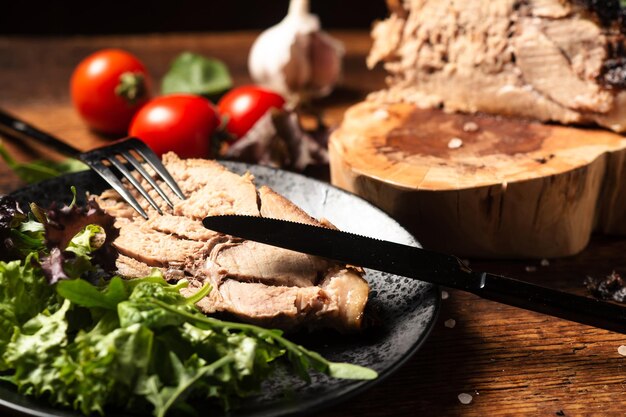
556	303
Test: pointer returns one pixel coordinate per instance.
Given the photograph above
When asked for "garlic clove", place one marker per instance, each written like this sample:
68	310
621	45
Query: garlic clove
296	72
326	58
295	57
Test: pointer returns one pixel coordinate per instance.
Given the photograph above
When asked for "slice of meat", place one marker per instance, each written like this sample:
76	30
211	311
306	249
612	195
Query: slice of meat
272	306
156	249
338	303
258	283
276	206
551	60
210	189
131	268
350	291
182	227
253	261
193	174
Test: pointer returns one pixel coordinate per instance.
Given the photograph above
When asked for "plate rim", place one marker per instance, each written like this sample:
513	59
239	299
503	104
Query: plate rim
294	409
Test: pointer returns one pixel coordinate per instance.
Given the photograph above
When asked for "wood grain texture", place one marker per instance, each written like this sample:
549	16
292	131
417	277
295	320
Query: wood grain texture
513	363
511	189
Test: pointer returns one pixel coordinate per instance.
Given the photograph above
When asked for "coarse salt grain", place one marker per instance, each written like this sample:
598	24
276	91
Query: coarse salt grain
622	350
444	295
455	143
450	323
470	127
531	268
380	114
464	398
545	262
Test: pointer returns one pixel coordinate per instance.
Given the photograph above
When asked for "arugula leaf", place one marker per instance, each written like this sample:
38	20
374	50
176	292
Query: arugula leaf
195	74
301	358
165	397
36	171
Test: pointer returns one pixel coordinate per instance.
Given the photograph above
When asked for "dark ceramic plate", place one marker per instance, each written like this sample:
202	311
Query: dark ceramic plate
407	308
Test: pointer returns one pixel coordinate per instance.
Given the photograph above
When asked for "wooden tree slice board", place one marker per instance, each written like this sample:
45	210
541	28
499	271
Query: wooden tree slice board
514	188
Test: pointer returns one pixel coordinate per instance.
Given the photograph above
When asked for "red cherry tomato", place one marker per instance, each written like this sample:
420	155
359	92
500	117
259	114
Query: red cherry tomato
182	123
244	106
107	89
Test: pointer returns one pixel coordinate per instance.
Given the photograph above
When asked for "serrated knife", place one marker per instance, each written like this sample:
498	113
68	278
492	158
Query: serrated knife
421	264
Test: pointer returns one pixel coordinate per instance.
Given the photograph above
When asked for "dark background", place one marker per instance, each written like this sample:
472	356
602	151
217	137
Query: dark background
24	17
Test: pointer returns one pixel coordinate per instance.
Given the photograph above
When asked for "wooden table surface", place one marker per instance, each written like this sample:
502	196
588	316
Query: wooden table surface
512	362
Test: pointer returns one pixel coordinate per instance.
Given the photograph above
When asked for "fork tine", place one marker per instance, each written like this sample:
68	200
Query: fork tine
156	164
117	185
137	165
120	166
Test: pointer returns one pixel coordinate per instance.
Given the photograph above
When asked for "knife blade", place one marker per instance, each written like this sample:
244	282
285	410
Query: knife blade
421	264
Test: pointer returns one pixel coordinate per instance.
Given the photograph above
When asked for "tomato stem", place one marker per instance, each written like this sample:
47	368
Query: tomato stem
131	87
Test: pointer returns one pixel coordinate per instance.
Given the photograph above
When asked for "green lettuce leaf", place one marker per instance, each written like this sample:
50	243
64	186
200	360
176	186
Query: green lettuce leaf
23	288
99	367
82	245
34	351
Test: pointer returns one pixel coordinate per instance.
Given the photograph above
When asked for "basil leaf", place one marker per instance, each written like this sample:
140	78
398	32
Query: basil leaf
195	74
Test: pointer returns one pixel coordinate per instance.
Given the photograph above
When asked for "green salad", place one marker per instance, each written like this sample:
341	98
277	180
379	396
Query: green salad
77	337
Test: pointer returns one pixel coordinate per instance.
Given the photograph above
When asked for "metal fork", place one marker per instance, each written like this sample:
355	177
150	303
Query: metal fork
102	159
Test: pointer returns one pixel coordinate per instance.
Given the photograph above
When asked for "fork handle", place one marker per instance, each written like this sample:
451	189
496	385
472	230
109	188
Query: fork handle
12	125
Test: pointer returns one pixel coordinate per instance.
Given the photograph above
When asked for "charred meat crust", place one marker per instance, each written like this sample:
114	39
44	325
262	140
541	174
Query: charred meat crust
609	13
613	74
612	16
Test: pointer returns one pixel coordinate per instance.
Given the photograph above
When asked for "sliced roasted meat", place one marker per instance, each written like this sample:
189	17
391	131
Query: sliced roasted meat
182	227
273	306
258	283
253	261
551	60
131	268
350	291
337	303
155	248
276	206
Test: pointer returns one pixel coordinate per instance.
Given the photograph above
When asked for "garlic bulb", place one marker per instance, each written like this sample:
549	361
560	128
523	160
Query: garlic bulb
295	57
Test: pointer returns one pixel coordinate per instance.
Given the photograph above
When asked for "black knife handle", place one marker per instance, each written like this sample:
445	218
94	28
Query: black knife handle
585	310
